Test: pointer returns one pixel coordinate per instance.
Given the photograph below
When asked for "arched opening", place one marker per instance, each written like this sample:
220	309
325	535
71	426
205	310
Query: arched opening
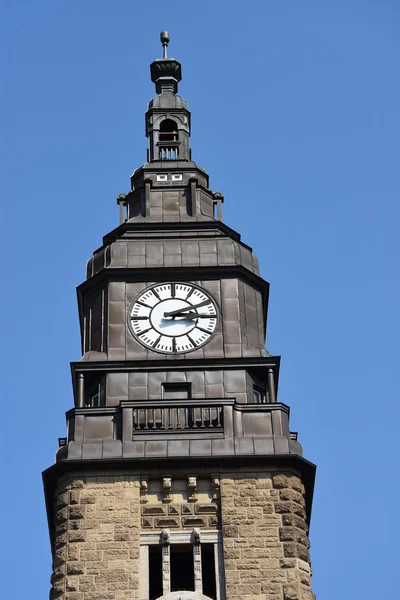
168	131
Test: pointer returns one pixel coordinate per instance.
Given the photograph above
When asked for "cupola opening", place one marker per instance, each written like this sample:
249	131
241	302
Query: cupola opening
168	131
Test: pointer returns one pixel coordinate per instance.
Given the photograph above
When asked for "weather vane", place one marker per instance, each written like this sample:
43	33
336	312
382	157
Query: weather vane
164	37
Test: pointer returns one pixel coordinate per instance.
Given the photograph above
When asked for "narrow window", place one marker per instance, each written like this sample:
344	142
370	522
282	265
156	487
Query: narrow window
162	177
95	393
208	570
182	567
177	177
155	572
258	396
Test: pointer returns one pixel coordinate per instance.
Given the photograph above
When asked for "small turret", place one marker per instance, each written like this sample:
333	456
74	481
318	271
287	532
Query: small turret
167	117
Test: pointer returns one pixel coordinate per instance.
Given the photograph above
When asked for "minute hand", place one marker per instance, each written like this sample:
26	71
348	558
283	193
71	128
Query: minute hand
182	310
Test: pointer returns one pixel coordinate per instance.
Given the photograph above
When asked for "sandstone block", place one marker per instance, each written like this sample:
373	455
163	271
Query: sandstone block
295	521
74	496
61	516
291	534
297	484
72	584
291	592
230	531
76	512
77	483
76	536
244	589
76	568
281	481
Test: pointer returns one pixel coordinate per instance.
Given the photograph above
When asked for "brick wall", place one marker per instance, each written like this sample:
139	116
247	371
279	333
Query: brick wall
96	541
265	537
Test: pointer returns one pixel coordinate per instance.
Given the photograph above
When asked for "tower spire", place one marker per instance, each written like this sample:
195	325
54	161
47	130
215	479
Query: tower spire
164	37
166	72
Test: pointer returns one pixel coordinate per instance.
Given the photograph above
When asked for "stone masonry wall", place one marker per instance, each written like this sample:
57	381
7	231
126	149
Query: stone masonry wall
96	541
265	537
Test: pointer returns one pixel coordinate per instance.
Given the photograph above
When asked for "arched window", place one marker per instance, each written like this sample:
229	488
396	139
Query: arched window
168	131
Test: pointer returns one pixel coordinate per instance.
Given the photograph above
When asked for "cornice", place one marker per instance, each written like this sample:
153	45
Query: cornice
147	227
187	364
273	462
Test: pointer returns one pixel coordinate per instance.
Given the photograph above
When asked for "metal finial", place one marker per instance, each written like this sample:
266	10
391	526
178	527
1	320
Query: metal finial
164	37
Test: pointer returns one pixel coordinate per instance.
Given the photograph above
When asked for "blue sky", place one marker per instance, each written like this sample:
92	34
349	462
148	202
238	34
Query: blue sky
295	115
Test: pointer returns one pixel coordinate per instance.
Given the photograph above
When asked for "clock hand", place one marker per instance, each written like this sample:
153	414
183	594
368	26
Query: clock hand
172	313
192	315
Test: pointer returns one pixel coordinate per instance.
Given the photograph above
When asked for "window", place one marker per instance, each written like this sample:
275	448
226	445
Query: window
182	567
176	391
155	572
208	570
258	396
177	177
162	177
95	393
168	131
173	561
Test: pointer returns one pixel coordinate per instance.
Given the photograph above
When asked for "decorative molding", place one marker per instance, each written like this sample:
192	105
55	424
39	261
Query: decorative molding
167	486
196	536
192	488
144	481
165	536
208	536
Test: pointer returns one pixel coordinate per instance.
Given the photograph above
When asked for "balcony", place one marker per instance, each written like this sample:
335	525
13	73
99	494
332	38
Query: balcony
184	427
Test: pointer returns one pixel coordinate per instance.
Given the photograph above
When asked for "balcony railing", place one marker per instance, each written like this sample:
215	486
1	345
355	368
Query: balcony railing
178	415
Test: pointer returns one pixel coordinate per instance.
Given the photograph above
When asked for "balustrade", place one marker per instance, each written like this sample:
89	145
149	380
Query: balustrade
168	153
173	416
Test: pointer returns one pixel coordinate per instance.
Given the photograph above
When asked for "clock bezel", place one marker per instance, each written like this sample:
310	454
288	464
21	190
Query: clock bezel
168	352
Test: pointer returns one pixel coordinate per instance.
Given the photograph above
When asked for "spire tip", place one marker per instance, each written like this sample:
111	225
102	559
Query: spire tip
164	37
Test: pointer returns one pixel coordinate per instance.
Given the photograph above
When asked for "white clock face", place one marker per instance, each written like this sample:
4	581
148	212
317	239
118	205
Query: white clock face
173	317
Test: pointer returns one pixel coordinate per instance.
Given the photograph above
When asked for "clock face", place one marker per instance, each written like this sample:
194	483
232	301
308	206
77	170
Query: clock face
173	317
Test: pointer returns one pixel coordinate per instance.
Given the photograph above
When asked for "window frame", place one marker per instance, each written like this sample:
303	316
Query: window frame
152	538
262	396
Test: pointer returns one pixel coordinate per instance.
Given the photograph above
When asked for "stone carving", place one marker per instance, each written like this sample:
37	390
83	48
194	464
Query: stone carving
192	488
143	490
196	536
215	488
166	575
165	537
167	485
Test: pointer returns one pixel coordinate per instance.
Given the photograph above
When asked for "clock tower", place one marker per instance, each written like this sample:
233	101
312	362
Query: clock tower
179	476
